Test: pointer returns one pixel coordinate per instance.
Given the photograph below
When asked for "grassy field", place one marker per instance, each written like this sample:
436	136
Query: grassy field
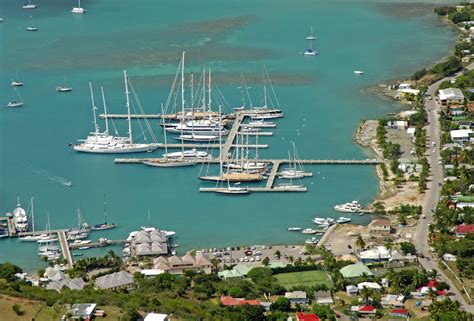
41	312
306	278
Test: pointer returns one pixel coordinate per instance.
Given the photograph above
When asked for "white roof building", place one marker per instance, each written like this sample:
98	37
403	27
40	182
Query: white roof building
450	94
409	91
461	135
156	317
369	285
411	131
375	254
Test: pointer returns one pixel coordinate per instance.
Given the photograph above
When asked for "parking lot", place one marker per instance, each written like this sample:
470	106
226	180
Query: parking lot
253	255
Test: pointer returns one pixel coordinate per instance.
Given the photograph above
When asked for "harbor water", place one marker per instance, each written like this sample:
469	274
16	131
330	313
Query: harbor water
322	99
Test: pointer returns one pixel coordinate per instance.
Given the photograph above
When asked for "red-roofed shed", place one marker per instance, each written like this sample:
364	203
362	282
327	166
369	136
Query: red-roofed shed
366	308
400	313
300	316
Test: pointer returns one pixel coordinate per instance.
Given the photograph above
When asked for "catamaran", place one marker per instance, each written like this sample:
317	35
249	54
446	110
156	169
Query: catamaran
78	9
20	218
16	103
310	51
105	225
104	143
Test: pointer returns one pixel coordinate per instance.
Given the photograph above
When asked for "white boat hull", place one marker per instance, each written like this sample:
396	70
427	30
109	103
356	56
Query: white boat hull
139	148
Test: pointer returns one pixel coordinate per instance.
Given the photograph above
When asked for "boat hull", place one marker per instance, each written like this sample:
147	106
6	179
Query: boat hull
127	150
170	163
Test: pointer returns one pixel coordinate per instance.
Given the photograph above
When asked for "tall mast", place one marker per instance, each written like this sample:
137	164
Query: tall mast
192	94
182	84
127	94
79	221
204	90
265	94
96	127
210	96
105	210
33	215
164	131
220	141
105	111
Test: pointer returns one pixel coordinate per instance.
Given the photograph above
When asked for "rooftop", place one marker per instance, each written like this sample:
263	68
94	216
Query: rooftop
83	310
114	280
156	317
295	295
465	229
451	93
300	316
355	270
230	301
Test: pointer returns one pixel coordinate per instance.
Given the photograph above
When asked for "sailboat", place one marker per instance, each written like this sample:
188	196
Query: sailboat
17	82
266	112
31	27
16	103
105	225
231	176
310	51
33	237
65	88
29	5
80	232
104	143
295	169
232	190
78	9
48	237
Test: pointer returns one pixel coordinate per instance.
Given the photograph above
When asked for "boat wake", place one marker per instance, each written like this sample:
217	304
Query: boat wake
56	179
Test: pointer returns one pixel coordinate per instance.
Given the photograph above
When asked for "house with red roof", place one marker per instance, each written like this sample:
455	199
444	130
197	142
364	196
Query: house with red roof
300	316
366	310
464	229
430	285
401	313
230	301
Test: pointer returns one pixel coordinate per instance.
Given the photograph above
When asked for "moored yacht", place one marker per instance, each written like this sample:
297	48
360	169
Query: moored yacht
78	9
342	220
192	153
309	231
294	229
351	207
20	218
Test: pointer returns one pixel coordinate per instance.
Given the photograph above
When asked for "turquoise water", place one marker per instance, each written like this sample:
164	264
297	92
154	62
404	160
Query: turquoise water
322	100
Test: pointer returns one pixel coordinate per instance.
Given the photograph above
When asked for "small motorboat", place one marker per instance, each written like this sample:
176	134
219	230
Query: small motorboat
31	28
13	104
294	229
62	89
309	231
358	72
16	83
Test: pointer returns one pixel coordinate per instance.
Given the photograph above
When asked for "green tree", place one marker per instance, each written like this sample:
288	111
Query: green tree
17	309
360	244
281	304
266	261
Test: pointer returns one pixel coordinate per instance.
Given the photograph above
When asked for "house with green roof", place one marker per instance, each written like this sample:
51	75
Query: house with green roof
355	271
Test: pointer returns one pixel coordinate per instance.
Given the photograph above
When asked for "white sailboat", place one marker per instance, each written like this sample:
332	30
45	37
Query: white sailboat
48	237
295	169
63	88
16	103
78	9
232	190
33	237
29	5
310	51
32	26
17	82
104	143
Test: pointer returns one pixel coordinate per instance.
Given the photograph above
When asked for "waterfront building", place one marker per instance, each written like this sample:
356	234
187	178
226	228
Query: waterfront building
355	271
83	311
53	274
397	124
379	227
150	243
114	281
178	265
297	297
451	96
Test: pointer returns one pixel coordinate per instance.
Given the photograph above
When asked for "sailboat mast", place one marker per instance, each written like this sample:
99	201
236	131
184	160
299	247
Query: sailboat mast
96	127
105	210
164	131
265	94
33	215
127	94
105	112
210	86
204	90
220	141
192	94
182	102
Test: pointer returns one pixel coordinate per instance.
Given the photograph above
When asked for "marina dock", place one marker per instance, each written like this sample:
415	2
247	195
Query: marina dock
65	248
272	161
225	152
73	246
273	173
132	116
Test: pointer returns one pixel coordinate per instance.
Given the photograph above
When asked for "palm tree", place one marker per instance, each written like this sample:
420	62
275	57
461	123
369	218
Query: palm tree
215	263
291	259
432	274
365	294
278	254
360	244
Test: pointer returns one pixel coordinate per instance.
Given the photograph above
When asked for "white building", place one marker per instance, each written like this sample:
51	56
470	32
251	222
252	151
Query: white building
156	317
461	136
411	131
451	95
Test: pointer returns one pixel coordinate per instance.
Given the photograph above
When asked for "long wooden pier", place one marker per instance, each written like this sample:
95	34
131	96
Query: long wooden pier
207	146
285	189
273	173
272	161
75	246
65	248
239	118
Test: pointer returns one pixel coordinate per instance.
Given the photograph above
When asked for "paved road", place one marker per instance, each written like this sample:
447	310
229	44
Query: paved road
433	192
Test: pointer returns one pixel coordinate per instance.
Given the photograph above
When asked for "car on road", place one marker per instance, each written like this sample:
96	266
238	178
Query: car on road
423	216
